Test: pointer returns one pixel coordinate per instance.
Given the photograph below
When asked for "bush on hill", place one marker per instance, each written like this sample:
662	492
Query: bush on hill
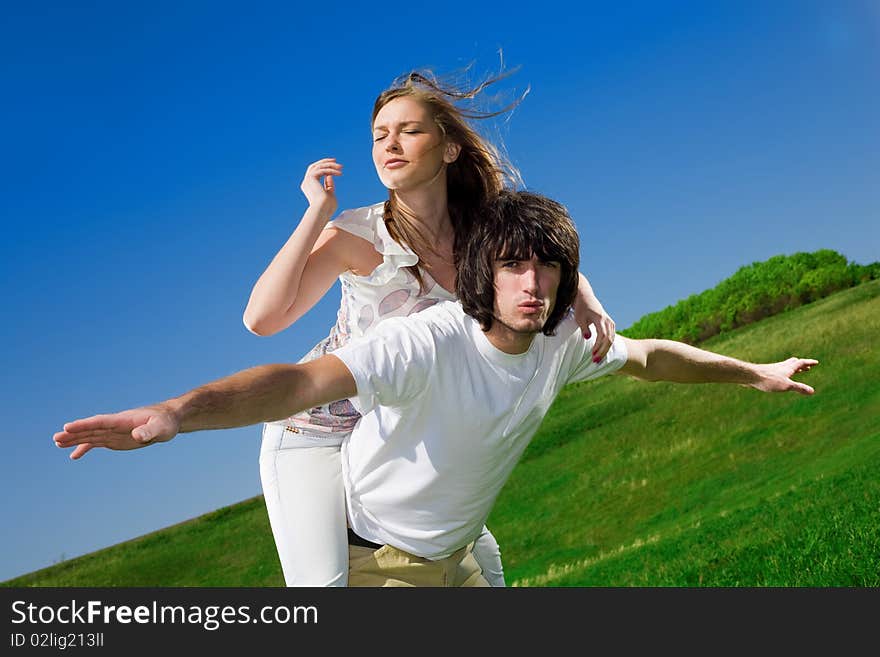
754	292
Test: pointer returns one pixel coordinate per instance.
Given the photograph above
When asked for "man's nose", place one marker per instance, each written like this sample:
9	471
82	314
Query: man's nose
530	278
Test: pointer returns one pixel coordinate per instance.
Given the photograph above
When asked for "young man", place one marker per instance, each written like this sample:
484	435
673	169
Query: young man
450	397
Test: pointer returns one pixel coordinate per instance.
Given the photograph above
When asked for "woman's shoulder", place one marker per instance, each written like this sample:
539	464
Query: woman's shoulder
363	221
368	223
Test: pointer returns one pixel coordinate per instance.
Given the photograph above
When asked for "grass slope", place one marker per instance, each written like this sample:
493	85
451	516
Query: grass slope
633	483
630	483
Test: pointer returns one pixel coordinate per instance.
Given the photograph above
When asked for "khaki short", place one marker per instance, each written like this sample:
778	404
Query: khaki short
389	566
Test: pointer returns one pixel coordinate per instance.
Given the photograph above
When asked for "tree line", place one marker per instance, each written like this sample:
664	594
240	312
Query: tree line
754	292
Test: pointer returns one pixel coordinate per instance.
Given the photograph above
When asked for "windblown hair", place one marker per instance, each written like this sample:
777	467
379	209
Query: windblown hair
515	226
480	172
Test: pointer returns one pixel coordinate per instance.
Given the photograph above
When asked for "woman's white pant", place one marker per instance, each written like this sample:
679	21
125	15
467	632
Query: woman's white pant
302	486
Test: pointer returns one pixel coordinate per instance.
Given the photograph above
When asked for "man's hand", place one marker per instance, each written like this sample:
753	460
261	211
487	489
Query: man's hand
130	429
776	377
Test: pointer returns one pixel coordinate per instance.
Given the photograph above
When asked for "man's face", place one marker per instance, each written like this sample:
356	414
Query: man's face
525	291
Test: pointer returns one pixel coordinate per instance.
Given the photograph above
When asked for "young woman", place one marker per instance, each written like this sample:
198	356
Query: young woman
392	258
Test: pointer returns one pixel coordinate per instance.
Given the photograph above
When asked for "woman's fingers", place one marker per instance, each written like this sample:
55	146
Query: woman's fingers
604	339
326	168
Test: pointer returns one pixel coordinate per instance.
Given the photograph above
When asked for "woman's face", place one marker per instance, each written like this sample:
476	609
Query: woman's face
408	148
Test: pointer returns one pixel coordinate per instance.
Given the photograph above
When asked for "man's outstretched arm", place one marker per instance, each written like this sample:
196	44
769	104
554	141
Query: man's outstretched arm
259	394
666	360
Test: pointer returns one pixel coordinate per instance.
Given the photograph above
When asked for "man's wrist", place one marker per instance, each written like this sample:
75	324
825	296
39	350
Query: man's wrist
179	410
755	375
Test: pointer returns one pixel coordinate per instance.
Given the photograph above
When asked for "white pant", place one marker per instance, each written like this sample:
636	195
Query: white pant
302	486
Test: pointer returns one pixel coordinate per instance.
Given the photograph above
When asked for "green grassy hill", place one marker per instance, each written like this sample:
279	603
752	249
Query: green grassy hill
754	292
632	483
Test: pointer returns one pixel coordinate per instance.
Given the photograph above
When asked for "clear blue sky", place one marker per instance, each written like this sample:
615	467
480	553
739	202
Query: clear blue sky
152	159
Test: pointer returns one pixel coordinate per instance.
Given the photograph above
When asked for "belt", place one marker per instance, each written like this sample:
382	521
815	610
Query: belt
354	539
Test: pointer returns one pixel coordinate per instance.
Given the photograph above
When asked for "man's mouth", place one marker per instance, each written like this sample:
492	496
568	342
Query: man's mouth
531	307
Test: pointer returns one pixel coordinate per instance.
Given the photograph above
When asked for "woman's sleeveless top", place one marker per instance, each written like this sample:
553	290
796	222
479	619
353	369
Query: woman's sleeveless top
389	291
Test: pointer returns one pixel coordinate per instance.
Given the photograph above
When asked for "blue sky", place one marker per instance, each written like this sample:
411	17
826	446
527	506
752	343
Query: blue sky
153	154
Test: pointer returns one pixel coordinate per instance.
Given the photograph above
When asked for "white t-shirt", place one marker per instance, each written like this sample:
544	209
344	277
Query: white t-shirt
390	290
446	417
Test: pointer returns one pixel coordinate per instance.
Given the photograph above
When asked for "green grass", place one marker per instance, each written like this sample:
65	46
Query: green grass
631	483
232	546
754	292
639	484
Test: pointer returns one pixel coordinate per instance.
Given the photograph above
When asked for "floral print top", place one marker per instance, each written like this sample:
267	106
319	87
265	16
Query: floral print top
389	291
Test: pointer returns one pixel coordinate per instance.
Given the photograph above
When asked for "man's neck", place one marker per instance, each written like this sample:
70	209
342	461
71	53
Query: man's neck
505	339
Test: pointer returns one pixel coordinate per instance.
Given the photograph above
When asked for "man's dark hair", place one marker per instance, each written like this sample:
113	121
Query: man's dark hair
515	226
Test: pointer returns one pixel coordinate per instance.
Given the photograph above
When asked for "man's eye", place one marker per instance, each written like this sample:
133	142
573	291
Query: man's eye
379	137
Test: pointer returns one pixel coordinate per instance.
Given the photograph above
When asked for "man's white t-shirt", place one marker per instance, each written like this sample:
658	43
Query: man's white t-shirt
446	417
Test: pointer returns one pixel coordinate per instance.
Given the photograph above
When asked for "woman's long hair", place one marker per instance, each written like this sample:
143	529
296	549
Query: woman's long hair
479	173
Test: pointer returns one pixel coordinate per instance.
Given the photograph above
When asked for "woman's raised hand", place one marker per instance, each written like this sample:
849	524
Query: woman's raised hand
318	185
